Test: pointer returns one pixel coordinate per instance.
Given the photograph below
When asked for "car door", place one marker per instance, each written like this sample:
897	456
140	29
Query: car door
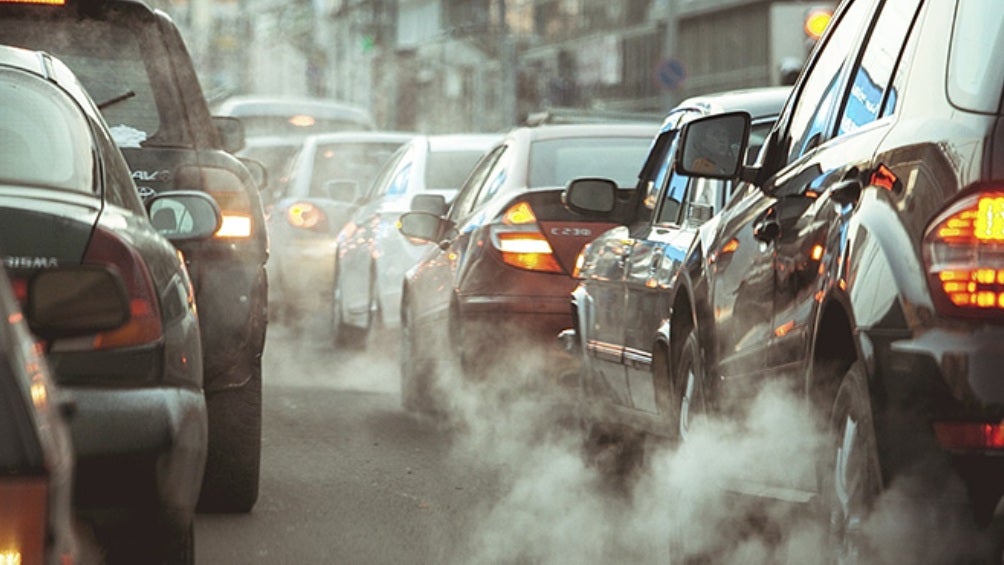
823	184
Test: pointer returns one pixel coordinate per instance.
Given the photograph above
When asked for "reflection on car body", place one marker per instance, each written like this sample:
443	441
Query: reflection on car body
500	277
131	356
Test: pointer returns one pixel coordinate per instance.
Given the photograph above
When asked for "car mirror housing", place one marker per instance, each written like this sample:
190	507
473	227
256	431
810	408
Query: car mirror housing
422	226
231	132
592	196
184	215
76	301
431	203
714	146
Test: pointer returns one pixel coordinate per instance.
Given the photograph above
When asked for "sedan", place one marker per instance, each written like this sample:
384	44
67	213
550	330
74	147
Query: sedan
495	285
67	200
326	183
372	254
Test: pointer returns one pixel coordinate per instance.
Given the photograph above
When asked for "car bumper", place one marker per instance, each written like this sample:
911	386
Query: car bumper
139	451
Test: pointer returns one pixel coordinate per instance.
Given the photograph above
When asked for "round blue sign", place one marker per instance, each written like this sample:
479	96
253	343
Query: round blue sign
671	73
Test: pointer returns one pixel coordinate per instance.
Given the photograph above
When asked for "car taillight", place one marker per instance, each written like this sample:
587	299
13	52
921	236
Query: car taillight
521	243
23	519
231	196
969	436
305	215
143	327
964	255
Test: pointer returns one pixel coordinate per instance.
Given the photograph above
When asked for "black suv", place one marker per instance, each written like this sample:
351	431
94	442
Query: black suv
135	65
864	260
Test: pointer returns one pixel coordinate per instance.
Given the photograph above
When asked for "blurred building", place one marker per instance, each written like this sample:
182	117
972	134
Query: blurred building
484	65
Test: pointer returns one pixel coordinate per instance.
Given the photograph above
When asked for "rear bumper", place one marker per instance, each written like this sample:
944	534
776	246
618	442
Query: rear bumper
139	452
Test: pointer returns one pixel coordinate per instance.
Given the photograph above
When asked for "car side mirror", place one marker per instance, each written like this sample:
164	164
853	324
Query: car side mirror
343	190
590	196
423	226
184	215
76	301
431	203
231	132
714	146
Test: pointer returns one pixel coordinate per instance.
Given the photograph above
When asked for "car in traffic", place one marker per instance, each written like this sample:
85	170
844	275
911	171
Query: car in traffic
371	254
131	357
293	116
134	63
36	454
620	307
327	182
860	262
495	284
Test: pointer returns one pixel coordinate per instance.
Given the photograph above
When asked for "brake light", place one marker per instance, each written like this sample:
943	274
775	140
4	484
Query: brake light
964	255
143	327
23	520
969	435
230	194
306	216
521	242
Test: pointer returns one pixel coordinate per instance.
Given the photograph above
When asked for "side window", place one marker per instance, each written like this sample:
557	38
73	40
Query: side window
384	176
399	184
672	198
469	192
872	77
812	117
496	177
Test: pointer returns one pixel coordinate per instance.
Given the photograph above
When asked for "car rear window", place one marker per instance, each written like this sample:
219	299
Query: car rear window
555	162
359	162
449	169
975	68
108	61
44	139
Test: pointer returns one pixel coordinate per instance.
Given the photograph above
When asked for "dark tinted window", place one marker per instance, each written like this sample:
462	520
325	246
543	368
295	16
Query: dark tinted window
975	67
555	162
44	138
108	60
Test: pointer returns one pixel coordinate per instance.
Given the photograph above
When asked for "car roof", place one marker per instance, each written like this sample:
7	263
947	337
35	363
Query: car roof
567	131
365	136
759	102
461	141
262	105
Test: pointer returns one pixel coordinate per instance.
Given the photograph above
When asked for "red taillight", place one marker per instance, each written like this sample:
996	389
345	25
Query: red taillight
143	327
969	436
23	518
521	243
306	216
964	255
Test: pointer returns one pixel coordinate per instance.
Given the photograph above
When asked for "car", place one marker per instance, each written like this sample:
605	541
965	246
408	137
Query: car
294	116
859	261
371	254
496	283
327	181
134	371
36	453
134	63
619	306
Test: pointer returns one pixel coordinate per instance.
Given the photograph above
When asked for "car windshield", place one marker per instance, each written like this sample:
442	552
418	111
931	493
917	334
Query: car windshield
555	162
297	125
109	61
359	162
44	140
449	169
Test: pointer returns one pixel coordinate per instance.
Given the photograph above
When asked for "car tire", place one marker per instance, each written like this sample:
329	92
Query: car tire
852	475
416	376
233	462
344	335
691	384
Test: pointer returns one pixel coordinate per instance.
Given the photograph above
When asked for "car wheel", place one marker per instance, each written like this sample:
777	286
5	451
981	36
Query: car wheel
854	479
691	383
342	334
233	461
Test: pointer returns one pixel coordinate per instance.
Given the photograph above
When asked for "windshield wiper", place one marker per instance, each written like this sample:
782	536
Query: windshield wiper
112	101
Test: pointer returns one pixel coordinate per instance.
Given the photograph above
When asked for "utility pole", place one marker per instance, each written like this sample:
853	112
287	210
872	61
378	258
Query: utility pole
508	68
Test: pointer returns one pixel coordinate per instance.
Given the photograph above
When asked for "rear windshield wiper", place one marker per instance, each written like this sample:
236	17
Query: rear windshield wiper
112	101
